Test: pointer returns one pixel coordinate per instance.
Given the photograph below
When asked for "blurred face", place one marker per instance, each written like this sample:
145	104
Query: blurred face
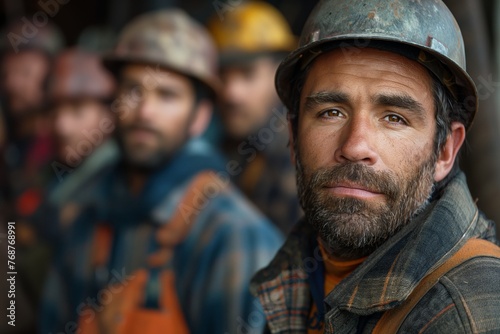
248	96
79	122
23	76
159	113
364	148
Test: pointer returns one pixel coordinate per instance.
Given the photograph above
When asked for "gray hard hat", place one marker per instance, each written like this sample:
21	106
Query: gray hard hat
423	30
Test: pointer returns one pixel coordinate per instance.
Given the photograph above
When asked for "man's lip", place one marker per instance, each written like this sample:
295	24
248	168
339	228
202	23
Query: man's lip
352	190
141	130
235	113
141	133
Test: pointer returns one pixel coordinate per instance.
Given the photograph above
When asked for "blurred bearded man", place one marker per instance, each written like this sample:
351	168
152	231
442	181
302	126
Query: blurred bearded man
253	38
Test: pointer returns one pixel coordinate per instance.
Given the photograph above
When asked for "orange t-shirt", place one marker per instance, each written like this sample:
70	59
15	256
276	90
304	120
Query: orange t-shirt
335	271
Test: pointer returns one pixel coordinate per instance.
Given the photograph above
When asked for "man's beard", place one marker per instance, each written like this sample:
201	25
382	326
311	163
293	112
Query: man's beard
351	227
134	156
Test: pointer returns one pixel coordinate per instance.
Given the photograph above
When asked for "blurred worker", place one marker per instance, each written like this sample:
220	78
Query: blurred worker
166	242
80	93
27	53
25	67
253	38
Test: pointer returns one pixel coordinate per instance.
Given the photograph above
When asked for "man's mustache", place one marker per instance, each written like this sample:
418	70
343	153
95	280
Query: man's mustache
357	174
142	127
234	108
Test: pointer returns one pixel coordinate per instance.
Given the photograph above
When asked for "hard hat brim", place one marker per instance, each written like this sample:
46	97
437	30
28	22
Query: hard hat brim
297	61
115	63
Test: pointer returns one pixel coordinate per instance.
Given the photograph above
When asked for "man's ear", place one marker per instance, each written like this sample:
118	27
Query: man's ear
449	152
202	117
292	142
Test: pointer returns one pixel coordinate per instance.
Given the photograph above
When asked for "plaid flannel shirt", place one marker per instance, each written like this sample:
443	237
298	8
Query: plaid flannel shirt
465	300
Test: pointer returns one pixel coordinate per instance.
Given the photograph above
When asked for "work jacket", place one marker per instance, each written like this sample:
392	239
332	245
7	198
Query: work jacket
465	300
227	242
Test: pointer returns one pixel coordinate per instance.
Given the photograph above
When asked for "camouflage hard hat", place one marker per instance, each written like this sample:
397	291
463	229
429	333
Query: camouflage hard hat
170	39
80	74
424	31
25	35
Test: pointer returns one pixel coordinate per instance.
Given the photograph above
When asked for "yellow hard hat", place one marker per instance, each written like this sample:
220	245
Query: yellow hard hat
251	27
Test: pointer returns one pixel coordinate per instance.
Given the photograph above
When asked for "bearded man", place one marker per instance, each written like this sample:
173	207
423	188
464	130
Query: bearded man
392	242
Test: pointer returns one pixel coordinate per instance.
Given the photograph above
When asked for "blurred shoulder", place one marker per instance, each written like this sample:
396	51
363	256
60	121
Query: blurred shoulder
232	209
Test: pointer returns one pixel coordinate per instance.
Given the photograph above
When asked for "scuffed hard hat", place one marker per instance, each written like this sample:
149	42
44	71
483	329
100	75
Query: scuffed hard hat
170	39
80	74
424	31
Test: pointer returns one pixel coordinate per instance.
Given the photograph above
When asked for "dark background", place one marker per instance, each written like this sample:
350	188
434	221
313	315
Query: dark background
77	15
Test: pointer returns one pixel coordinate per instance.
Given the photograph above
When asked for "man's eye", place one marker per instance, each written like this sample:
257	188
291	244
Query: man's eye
129	89
330	113
394	119
166	94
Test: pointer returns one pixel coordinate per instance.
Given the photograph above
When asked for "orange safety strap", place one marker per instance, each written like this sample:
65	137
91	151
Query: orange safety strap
250	177
103	238
205	186
391	320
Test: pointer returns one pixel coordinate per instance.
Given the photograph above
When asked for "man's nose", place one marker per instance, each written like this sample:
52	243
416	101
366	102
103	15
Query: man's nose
357	142
63	123
145	107
234	89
